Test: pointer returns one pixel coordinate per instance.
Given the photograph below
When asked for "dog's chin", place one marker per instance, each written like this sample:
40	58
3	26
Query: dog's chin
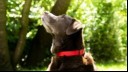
54	50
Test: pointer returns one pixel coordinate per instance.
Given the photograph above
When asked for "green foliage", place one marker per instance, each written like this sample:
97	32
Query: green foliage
106	42
13	21
105	31
13	25
14	11
112	66
104	21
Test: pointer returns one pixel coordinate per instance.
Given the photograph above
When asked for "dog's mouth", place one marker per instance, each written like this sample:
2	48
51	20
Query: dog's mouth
46	25
44	18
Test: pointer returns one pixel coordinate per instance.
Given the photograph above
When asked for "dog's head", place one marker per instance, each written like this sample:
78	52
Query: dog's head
60	27
61	24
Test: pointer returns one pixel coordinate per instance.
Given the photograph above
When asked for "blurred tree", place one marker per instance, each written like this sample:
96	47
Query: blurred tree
39	49
5	63
23	32
105	27
5	56
104	42
60	7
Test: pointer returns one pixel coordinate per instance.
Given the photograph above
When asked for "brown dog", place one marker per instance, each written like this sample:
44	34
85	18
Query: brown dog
67	44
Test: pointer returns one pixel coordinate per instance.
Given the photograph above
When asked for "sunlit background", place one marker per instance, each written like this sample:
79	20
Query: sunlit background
105	30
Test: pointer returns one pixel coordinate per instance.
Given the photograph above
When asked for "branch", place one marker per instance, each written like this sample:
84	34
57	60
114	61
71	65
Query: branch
60	7
23	32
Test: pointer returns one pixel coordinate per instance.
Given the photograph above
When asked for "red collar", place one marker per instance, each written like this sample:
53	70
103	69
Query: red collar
71	53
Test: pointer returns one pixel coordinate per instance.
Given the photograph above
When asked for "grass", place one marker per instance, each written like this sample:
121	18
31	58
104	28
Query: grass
100	66
112	66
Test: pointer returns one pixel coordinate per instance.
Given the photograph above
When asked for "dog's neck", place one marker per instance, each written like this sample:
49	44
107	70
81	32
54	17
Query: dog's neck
67	42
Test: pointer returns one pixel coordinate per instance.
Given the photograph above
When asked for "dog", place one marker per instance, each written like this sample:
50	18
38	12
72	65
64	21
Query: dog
67	44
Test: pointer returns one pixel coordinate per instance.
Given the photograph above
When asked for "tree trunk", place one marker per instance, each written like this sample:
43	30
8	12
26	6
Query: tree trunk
60	7
5	63
41	43
23	32
40	48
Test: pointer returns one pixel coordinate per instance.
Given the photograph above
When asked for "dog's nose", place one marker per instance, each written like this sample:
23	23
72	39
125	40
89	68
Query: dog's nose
44	14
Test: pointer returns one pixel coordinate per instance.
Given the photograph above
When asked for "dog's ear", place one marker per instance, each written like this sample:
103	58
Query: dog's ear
74	27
